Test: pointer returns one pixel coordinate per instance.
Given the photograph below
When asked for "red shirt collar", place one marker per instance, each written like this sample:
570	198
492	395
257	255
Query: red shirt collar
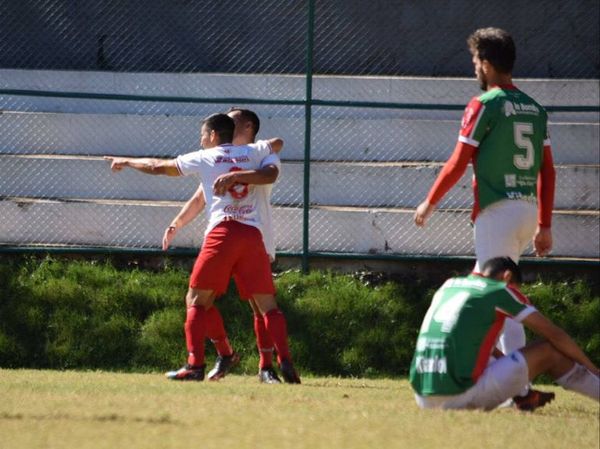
509	86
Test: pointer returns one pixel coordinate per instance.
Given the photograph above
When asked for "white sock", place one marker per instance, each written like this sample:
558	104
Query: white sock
581	380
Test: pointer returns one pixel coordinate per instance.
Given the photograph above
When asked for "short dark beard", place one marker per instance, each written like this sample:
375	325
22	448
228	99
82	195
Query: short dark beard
483	84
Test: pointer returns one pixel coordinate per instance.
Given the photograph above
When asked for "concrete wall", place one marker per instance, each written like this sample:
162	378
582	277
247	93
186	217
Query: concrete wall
369	169
555	39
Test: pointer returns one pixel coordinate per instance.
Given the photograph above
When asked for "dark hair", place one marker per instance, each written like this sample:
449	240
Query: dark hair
495	46
222	125
498	265
248	115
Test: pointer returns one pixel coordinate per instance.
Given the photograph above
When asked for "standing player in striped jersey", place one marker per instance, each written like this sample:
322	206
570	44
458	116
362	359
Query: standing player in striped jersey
233	244
247	125
451	369
504	133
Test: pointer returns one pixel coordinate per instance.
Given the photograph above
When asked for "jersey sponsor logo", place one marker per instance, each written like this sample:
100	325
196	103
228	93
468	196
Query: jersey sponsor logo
431	365
238	213
231	160
512	195
232	209
465	283
510	180
513	108
424	343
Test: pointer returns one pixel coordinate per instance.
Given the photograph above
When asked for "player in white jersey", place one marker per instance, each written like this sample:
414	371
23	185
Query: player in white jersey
247	125
233	244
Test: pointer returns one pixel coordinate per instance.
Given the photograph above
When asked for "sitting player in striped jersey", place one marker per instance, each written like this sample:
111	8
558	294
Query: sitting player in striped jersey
451	367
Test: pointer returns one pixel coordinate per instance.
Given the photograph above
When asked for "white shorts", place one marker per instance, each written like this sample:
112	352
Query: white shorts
504	229
502	379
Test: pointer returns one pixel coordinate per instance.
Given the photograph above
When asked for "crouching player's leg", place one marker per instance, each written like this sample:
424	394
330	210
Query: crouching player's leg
506	376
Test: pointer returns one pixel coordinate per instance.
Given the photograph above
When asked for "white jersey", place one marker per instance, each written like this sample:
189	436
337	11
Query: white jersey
263	197
241	203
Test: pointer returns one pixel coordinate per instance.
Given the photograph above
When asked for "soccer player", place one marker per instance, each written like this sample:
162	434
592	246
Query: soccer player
233	244
247	125
504	134
451	369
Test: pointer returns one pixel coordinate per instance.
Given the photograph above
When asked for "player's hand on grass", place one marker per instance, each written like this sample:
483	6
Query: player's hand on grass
116	163
424	210
168	236
542	241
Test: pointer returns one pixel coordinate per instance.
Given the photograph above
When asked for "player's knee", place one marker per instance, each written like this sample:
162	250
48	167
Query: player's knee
265	303
549	355
199	298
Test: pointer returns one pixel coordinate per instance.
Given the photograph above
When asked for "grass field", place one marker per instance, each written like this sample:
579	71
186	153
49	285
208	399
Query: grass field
68	409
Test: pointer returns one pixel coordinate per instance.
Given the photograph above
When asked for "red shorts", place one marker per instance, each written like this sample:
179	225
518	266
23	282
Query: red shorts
233	249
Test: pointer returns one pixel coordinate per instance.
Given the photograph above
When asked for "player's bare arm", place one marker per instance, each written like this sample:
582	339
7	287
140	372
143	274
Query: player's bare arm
558	338
188	212
276	144
167	167
265	175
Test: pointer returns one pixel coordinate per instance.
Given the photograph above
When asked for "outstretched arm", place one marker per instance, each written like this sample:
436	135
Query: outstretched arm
559	339
188	212
149	166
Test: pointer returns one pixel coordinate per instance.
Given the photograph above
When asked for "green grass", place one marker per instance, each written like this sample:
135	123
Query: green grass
78	314
69	409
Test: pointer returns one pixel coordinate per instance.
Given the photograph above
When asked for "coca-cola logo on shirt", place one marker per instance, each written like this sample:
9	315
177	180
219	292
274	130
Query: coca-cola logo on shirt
238	210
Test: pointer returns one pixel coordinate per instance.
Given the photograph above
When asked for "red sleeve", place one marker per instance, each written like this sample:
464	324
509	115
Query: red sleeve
453	170
545	189
470	120
520	296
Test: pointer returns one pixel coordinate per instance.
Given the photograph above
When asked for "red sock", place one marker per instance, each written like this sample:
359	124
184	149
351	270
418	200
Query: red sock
215	330
264	342
277	328
195	328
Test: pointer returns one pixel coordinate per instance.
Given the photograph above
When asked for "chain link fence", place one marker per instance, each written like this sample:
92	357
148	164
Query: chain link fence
367	97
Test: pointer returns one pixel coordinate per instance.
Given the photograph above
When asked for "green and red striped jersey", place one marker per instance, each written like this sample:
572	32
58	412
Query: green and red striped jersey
460	331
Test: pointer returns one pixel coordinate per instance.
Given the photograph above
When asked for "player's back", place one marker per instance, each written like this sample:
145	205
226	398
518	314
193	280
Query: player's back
509	157
457	335
239	203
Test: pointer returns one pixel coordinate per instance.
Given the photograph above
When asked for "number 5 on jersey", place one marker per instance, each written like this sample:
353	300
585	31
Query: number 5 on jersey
522	131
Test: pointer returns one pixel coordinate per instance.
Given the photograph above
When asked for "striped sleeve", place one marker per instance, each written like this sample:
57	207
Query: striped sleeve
515	304
473	124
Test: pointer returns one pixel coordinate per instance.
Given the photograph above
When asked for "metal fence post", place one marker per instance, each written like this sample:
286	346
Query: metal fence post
307	133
